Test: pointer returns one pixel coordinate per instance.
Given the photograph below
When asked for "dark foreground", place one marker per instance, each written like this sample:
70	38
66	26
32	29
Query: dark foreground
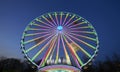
16	65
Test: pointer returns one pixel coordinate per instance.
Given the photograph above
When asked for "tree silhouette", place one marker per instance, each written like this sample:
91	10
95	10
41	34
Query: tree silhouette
16	65
109	65
10	65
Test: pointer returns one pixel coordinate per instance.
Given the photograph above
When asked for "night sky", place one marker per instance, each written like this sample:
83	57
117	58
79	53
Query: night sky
16	14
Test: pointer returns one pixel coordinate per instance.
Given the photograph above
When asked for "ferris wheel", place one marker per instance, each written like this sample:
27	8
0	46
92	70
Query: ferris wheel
60	38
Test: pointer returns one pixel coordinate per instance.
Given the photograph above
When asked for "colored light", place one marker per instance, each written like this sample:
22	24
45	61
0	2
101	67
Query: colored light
59	28
60	36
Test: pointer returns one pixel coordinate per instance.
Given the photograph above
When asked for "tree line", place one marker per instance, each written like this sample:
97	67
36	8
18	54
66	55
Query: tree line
16	65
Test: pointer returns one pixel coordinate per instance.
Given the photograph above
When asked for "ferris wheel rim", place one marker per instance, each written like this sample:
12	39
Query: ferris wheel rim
22	45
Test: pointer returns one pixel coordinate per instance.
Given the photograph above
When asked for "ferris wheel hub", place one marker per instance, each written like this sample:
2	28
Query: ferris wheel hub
59	28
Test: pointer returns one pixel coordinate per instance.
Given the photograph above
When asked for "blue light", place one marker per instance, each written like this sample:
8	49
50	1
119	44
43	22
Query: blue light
59	28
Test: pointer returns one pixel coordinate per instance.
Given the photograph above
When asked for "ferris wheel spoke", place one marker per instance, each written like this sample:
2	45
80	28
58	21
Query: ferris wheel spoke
52	19
46	27
33	34
48	20
39	52
69	20
77	24
74	54
86	32
84	27
86	37
26	42
85	43
43	22
65	51
53	51
56	18
38	29
37	44
65	18
82	49
58	47
61	14
73	22
45	57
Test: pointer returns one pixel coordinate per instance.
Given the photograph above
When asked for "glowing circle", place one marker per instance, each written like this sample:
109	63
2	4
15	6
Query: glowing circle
59	28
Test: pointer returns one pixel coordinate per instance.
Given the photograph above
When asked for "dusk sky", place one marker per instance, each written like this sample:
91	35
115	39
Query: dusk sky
15	15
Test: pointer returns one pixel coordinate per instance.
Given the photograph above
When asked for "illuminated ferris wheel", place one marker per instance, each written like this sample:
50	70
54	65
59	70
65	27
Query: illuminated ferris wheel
59	38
